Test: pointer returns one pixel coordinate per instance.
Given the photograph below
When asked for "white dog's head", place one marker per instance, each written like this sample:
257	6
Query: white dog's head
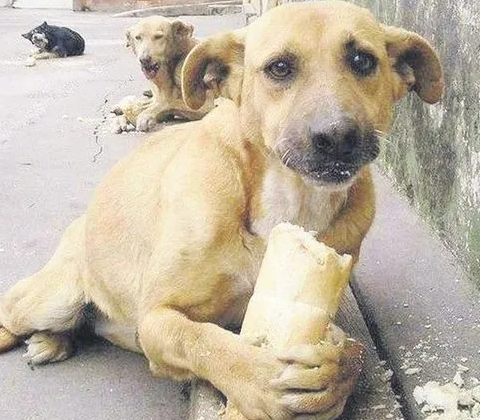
157	41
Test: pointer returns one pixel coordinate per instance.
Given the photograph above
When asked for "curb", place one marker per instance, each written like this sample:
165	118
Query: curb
202	9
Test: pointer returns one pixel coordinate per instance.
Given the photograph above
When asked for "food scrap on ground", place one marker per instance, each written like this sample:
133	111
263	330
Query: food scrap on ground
455	400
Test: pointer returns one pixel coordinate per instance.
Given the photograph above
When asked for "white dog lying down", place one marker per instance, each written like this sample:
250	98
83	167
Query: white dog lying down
161	46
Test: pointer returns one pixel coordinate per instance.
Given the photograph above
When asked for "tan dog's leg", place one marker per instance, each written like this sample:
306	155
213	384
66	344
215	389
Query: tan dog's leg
180	348
50	301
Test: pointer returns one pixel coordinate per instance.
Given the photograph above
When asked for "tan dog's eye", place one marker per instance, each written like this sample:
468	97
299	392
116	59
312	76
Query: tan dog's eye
138	37
362	63
280	69
158	36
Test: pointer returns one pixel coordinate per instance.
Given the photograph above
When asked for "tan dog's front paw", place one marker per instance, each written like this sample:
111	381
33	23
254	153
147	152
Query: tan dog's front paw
146	122
319	379
307	381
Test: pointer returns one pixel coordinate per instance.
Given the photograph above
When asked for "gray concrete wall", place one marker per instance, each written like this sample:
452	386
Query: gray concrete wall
433	153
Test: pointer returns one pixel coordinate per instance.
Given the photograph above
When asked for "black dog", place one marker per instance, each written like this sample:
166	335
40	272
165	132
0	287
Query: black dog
55	41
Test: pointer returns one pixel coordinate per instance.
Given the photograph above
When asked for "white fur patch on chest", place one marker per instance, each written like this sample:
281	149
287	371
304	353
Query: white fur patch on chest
286	197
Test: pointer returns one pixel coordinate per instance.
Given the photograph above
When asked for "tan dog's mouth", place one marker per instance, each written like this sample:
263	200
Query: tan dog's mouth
335	167
334	174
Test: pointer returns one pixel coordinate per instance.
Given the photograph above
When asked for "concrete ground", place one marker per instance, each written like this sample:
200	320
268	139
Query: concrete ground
422	311
54	148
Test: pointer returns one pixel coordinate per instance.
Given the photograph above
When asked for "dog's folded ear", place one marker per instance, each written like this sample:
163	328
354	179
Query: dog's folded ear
415	63
217	64
128	39
182	29
27	35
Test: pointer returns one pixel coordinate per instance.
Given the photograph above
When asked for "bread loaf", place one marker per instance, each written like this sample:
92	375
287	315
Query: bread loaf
297	294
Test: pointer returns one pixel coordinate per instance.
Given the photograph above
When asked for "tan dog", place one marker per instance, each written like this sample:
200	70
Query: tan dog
171	243
161	47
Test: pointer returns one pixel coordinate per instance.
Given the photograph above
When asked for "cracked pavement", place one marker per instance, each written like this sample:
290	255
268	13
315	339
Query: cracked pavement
54	148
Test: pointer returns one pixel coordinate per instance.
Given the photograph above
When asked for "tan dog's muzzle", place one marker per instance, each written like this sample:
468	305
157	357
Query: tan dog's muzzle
329	150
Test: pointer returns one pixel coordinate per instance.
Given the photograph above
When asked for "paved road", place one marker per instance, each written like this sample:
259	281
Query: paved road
54	149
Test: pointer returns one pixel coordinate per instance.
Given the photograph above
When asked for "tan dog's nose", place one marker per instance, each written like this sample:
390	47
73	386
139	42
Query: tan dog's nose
336	139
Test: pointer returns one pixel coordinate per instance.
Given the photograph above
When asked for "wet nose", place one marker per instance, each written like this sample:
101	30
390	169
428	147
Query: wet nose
338	139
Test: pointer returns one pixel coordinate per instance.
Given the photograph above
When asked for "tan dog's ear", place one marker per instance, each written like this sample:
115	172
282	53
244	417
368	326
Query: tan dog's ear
181	29
216	63
416	64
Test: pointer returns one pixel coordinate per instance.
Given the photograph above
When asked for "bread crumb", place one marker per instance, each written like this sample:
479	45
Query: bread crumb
458	380
450	401
387	376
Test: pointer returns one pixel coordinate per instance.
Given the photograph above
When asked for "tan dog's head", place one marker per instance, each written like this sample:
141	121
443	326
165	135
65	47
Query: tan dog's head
156	41
316	83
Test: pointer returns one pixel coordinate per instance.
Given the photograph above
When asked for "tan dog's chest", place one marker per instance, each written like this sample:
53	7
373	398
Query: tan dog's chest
287	198
284	197
230	268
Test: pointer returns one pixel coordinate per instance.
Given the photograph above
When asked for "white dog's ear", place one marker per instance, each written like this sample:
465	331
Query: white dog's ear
182	29
217	64
415	63
129	40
